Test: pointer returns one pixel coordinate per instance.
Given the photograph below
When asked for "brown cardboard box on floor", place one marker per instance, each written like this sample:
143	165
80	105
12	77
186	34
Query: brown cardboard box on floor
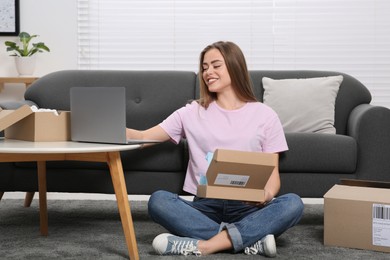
357	215
238	175
24	124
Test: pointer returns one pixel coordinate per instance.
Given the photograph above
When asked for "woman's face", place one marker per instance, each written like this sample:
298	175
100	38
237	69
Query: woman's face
215	73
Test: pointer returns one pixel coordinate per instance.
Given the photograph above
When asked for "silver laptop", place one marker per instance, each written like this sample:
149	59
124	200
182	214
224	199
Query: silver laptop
98	115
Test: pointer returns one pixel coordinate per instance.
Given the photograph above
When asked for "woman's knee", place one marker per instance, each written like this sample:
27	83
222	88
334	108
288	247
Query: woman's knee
159	195
158	201
294	204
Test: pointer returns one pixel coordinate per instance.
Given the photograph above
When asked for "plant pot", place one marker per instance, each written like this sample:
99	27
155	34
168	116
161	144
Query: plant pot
25	65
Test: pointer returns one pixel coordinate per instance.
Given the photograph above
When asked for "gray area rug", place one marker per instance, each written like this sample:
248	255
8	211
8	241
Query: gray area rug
88	229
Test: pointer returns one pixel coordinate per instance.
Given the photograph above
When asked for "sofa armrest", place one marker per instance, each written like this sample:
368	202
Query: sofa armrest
370	126
16	104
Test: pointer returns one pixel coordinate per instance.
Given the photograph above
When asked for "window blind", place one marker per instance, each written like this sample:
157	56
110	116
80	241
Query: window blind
351	36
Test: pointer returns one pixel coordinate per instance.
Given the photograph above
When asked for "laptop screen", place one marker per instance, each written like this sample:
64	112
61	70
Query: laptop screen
98	114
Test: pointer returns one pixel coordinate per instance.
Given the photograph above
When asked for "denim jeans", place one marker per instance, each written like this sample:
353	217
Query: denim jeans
203	218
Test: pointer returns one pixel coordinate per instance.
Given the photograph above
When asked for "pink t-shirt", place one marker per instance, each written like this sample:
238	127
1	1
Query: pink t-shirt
253	127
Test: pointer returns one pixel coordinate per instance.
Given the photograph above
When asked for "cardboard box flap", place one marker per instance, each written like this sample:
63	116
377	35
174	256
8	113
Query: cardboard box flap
10	117
242	157
240	169
353	193
365	183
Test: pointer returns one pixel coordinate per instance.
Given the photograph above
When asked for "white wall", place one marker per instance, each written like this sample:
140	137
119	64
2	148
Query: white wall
56	24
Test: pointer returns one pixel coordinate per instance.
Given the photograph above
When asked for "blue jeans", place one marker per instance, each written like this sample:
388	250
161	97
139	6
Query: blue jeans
204	218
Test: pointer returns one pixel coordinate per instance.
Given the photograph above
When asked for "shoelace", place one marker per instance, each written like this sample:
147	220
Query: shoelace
254	249
184	248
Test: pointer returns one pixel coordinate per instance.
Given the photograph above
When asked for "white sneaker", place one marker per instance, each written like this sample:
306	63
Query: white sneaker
265	246
168	244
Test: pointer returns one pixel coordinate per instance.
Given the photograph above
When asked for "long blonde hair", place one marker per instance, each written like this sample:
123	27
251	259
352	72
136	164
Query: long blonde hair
237	69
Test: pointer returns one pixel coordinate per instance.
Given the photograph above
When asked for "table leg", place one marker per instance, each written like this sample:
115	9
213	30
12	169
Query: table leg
28	199
118	181
42	197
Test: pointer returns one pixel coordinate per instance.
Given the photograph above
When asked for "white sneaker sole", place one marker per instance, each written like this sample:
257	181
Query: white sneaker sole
269	246
160	243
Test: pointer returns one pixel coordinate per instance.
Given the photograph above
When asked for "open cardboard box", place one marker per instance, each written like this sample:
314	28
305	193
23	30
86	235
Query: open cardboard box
357	215
238	175
24	124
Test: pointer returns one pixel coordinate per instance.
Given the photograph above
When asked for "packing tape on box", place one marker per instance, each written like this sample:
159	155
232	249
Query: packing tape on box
203	179
209	157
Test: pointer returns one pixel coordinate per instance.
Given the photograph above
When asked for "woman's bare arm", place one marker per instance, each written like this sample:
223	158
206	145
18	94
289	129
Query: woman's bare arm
271	188
273	185
154	133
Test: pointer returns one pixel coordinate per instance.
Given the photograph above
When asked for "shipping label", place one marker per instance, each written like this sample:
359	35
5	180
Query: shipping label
381	225
231	180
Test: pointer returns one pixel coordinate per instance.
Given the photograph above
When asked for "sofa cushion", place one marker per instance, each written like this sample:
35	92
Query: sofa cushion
165	157
319	153
351	93
304	105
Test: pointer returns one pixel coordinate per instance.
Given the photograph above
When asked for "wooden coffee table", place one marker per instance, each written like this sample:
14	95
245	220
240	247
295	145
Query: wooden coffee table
41	152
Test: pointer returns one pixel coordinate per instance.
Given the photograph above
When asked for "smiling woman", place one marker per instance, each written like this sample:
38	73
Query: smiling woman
9	17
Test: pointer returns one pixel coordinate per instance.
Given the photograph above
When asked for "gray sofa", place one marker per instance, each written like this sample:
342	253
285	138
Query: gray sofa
313	164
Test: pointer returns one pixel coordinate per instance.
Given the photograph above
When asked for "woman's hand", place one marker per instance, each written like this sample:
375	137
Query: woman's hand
154	133
268	197
256	204
133	134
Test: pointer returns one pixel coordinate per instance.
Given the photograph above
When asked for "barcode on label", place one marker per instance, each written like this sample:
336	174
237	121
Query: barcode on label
381	211
240	183
381	225
231	180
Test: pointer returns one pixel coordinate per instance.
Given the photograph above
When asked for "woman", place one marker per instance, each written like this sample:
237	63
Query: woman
227	116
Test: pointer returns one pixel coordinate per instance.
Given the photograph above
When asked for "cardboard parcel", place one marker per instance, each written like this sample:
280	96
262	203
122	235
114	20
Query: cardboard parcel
24	124
357	215
238	175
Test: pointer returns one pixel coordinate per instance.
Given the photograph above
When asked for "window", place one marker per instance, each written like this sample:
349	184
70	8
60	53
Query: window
351	36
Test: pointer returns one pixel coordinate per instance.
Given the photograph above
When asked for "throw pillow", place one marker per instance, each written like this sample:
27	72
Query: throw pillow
304	105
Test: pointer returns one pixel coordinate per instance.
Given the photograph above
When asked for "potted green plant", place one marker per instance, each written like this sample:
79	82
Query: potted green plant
24	53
